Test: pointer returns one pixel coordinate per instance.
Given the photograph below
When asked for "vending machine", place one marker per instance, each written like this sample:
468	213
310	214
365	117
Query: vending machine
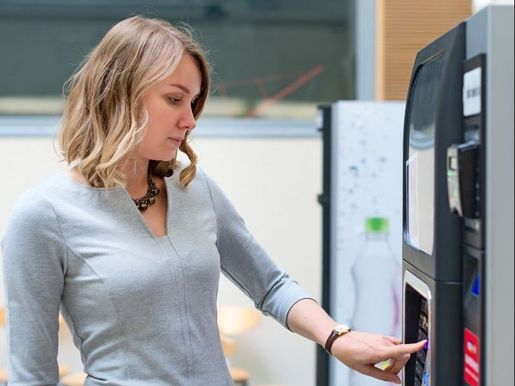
458	206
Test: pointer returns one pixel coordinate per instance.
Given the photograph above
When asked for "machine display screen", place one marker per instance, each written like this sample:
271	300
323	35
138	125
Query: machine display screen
422	106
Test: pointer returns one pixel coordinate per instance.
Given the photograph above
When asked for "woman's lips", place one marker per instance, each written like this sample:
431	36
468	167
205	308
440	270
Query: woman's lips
175	140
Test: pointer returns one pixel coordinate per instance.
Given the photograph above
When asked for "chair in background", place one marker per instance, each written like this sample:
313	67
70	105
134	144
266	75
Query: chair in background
232	322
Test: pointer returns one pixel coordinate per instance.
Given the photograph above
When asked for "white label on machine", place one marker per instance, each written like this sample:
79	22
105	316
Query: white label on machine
472	92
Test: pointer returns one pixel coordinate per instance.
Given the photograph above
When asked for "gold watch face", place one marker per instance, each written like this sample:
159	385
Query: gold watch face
341	329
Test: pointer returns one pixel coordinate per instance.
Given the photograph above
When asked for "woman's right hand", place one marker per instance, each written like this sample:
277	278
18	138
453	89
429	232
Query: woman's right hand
362	351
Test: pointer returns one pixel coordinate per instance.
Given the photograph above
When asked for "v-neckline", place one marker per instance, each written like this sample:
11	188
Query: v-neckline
133	208
167	214
169	203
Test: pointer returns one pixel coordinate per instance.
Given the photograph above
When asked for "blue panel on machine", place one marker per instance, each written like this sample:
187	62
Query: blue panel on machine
475	286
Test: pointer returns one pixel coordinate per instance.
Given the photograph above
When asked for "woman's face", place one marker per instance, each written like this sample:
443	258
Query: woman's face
169	107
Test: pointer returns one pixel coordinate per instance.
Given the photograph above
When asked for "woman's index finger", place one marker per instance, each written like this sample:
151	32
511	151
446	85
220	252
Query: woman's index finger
405	348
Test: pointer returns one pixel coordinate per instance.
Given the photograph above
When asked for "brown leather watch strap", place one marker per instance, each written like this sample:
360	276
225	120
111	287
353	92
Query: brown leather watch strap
338	331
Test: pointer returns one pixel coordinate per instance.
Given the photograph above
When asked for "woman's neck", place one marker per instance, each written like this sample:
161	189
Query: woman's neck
135	172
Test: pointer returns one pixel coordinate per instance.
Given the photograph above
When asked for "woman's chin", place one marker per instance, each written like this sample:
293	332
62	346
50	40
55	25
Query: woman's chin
165	157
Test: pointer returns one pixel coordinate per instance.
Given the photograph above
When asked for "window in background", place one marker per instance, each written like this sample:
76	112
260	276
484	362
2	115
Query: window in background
270	58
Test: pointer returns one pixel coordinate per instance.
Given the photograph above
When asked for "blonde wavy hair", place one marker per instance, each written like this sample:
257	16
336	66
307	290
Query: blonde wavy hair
104	119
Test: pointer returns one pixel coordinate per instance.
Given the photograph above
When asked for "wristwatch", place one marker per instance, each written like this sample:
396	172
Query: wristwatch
339	330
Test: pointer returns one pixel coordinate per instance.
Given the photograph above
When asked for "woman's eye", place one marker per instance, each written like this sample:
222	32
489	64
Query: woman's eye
174	100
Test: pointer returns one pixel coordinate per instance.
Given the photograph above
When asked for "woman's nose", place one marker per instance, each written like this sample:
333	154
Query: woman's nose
188	120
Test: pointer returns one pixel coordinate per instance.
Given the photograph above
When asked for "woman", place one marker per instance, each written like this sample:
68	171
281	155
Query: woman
129	243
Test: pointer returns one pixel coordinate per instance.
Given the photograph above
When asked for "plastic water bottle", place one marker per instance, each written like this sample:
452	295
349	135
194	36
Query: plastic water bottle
376	272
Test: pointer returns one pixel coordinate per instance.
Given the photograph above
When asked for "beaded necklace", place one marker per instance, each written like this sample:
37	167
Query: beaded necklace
149	198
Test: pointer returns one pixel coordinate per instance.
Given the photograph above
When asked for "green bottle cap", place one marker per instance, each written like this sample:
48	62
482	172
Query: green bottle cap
376	225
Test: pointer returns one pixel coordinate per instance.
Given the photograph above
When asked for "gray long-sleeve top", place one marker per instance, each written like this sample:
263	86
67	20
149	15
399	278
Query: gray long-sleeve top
142	309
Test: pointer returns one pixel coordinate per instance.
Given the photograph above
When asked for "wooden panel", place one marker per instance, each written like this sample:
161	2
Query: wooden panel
404	27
